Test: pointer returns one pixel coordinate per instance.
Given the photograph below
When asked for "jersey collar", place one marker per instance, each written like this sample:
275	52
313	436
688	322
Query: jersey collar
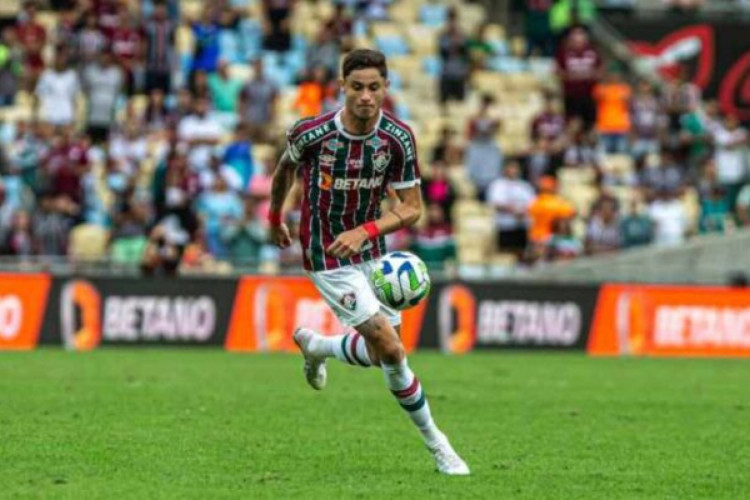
340	126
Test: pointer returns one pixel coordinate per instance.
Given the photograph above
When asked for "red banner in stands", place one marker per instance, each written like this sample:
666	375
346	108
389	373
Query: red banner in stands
267	310
23	299
671	321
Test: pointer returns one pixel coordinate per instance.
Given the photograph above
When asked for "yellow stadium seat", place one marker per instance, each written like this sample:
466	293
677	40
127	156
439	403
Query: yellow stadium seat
88	242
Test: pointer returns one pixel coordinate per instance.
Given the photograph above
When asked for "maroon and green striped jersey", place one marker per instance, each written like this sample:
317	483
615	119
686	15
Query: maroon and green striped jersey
345	179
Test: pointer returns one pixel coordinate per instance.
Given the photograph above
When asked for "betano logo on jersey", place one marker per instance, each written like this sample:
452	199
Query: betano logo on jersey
326	182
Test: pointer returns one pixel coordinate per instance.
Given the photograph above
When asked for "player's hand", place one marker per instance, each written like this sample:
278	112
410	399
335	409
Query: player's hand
348	243
280	236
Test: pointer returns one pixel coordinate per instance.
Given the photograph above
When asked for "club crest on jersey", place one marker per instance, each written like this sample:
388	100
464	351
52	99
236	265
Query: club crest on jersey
349	301
380	160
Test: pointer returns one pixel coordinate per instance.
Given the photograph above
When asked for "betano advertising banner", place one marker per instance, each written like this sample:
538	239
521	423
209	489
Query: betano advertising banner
671	321
83	314
462	317
23	299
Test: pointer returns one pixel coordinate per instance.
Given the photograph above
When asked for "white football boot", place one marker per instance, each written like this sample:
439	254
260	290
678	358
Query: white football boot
315	366
447	460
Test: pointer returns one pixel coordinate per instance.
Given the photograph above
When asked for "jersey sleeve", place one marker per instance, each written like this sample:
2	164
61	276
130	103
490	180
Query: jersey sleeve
295	145
405	173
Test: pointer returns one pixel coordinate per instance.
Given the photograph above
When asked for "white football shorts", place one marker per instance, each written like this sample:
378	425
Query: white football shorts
347	291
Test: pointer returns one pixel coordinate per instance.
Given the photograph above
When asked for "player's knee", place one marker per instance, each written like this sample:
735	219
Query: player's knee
392	352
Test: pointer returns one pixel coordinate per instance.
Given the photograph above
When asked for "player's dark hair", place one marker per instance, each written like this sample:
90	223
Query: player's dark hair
363	59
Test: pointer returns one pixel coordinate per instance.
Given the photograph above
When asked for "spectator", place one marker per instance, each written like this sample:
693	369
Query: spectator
239	156
680	96
244	236
647	121
340	26
446	150
217	168
311	93
694	137
130	223
603	230
90	40
158	116
31	37
434	242
439	189
125	42
539	38
715	210
103	83
217	205
257	104
562	244
19	240
159	38
664	175
199	84
201	131
579	66
128	149
670	219
455	60
479	49
207	51
225	93
277	28
10	67
612	98
546	208
511	197
325	52
57	91
731	141
548	125
51	224
26	151
483	157
581	149
65	163
636	228
742	207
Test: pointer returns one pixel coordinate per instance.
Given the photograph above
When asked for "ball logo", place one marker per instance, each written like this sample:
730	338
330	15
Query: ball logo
80	315
457	336
11	316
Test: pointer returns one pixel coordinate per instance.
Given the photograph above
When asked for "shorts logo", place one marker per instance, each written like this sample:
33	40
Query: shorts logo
380	160
349	301
325	182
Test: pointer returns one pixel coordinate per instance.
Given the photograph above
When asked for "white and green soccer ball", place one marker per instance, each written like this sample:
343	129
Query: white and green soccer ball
400	280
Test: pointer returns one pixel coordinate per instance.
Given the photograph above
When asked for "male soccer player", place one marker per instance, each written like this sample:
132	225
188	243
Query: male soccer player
346	160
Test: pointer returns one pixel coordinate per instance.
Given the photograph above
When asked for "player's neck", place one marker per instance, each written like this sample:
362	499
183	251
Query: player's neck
355	126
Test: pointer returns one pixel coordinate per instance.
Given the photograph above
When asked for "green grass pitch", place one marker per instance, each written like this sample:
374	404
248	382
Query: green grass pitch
207	424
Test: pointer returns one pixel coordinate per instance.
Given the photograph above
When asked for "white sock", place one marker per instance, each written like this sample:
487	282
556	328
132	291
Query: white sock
408	392
349	348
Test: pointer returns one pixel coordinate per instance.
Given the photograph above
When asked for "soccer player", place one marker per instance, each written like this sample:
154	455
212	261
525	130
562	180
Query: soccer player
346	160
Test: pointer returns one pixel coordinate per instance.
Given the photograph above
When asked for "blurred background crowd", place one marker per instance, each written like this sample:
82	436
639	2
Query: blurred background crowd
143	134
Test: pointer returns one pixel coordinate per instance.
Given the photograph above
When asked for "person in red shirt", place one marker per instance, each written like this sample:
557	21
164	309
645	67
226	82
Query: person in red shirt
579	66
66	163
31	37
125	42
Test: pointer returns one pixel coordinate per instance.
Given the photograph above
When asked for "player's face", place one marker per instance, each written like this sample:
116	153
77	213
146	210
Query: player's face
365	91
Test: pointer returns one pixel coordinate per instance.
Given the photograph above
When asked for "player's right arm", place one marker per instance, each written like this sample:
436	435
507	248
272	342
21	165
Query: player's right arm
283	178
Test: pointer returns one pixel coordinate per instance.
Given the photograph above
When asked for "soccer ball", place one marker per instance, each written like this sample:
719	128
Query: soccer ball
400	280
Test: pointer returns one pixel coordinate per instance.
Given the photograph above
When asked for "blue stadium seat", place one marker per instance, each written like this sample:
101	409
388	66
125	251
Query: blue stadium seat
392	45
433	14
432	66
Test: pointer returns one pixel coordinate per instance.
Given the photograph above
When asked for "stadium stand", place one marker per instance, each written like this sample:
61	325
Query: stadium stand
137	126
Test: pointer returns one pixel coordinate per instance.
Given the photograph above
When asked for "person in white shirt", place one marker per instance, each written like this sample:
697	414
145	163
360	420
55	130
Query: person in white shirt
57	90
731	141
670	219
511	196
201	131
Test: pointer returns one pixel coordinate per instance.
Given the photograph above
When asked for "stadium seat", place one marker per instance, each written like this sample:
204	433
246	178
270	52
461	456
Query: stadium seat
88	242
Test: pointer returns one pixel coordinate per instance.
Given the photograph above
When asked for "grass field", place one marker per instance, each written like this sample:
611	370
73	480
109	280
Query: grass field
208	424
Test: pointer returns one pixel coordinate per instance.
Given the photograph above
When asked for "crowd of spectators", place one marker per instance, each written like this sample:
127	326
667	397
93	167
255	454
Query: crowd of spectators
151	149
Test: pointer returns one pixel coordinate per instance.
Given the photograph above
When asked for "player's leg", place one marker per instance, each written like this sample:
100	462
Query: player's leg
383	339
